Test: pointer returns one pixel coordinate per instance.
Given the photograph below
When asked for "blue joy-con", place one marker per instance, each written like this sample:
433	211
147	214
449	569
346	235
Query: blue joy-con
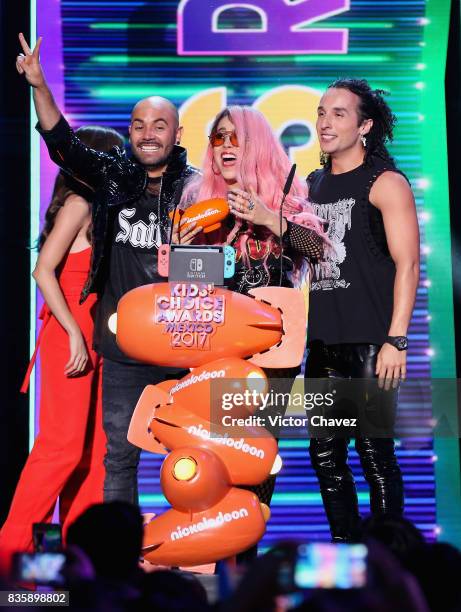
229	261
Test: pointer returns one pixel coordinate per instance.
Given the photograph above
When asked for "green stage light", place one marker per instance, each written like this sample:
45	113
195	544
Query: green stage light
123	25
156	59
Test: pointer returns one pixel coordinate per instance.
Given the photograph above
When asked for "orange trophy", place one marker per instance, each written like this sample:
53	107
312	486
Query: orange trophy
212	448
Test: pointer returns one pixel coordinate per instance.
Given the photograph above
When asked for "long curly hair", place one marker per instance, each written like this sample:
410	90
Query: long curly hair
263	166
373	106
96	137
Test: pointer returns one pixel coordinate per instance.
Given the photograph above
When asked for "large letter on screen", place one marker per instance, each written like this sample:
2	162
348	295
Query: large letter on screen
278	30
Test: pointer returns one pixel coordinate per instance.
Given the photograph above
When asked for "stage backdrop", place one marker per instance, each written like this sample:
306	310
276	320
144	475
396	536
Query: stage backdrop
278	56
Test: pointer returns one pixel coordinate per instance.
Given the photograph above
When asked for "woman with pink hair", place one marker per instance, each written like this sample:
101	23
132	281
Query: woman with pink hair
245	164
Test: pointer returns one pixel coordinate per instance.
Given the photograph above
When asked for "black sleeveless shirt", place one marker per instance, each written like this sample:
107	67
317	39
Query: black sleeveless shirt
351	297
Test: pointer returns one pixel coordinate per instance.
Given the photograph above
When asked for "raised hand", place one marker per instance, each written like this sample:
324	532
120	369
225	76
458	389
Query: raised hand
28	63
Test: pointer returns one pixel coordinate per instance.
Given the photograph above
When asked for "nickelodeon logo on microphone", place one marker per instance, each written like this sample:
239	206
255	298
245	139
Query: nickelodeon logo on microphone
208	523
241	445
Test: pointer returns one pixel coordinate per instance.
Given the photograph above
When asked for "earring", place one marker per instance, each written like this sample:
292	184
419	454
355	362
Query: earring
213	169
324	157
364	141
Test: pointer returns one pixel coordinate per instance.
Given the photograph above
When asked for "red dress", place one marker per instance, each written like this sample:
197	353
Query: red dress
67	457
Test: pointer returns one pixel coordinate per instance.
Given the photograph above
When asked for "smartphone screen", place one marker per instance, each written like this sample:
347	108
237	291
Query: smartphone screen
331	566
47	537
40	568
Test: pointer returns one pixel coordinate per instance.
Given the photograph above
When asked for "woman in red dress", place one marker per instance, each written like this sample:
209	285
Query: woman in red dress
67	458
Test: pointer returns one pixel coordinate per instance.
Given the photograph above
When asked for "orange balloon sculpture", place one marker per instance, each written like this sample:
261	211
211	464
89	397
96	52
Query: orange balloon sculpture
227	338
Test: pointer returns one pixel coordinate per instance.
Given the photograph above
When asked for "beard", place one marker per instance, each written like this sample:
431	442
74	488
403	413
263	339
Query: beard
161	161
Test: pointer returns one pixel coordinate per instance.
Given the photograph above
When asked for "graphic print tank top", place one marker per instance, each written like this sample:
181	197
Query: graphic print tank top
351	297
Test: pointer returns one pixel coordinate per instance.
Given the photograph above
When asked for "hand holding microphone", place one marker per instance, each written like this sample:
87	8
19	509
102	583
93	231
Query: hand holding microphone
186	234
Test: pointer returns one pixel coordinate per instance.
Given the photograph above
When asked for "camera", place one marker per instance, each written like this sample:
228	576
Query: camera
47	537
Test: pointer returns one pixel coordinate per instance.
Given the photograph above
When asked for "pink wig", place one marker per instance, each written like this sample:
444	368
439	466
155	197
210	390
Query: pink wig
263	165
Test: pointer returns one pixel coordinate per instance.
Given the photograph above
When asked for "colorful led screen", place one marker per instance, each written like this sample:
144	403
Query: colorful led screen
278	56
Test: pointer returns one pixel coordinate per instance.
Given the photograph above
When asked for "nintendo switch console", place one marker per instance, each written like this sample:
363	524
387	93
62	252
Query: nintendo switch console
192	263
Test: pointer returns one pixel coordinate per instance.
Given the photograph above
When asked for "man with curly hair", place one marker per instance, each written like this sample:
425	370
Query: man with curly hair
362	292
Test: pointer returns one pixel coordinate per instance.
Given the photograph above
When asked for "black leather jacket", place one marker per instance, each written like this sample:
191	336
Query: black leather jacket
115	180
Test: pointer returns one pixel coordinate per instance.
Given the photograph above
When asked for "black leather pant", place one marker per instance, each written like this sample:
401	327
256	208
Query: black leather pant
329	454
122	385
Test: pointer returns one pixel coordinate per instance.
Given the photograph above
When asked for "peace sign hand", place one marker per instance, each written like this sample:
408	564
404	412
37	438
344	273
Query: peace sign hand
28	63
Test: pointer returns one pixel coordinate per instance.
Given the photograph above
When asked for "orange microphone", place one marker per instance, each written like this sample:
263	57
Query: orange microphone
208	214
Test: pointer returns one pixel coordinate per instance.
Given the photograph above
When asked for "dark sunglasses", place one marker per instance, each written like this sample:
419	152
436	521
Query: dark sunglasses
217	139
